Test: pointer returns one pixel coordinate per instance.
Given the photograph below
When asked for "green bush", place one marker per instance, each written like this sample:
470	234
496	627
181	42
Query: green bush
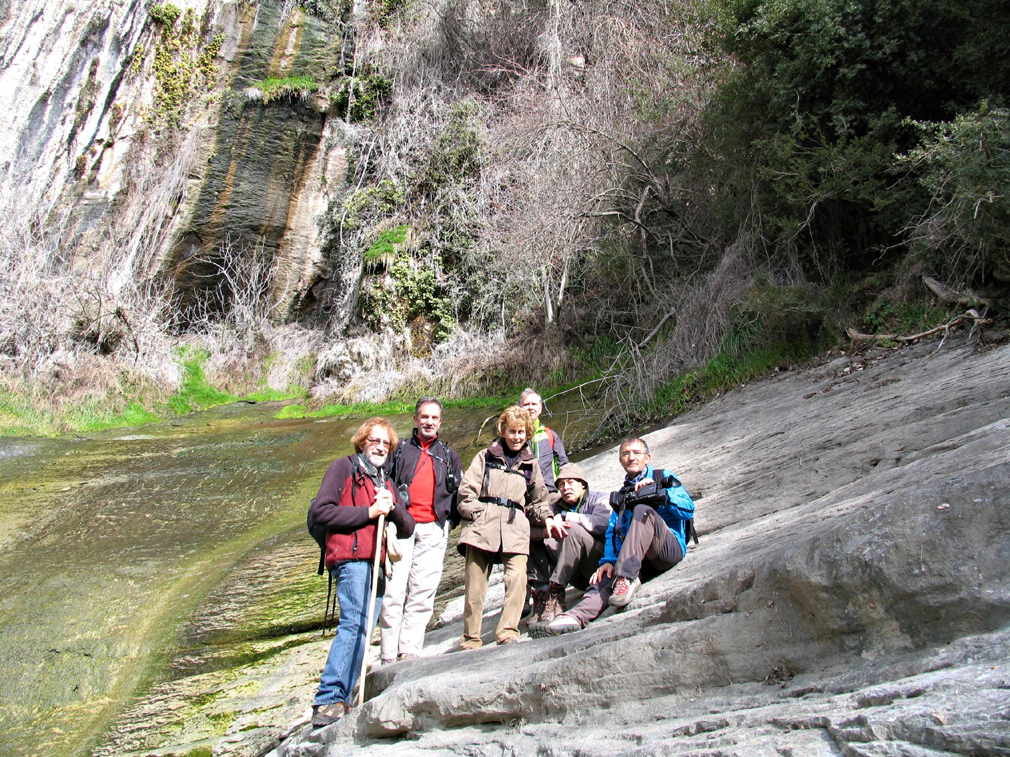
804	129
457	152
369	92
965	167
371	202
166	14
409	294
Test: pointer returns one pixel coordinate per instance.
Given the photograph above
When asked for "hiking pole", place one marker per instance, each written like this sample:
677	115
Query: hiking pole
379	539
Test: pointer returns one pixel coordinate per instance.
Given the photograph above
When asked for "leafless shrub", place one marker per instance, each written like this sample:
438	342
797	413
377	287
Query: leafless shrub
483	46
68	338
235	305
377	371
702	316
587	125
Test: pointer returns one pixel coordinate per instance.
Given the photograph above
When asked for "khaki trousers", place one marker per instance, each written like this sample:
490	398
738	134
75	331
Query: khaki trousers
478	569
410	590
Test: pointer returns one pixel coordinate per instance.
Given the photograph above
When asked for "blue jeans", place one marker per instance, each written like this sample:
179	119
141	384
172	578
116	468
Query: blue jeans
343	665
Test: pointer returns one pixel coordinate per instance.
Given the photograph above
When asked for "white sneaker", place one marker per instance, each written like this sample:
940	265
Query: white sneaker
624	589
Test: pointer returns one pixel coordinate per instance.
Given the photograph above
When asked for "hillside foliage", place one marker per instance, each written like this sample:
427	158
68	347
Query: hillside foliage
629	193
754	173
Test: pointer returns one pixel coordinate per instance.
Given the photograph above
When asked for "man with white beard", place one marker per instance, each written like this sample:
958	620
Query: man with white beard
355	491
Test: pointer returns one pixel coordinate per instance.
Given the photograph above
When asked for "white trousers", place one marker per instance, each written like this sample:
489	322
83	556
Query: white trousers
410	591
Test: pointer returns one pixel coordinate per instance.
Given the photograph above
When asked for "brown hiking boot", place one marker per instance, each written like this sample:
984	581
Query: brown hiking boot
540	598
555	604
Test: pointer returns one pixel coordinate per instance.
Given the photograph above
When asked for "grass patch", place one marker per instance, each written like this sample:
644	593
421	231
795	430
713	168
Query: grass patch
393	407
23	415
196	393
593	356
18	416
280	89
905	317
383	249
95	419
728	368
275	395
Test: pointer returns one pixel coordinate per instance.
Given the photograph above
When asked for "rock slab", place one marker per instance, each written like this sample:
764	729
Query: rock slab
849	595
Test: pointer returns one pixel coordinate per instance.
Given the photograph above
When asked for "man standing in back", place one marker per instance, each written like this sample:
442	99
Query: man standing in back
431	471
547	446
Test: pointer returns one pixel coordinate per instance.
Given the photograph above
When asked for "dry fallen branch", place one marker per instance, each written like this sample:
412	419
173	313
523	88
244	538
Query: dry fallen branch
972	315
945	294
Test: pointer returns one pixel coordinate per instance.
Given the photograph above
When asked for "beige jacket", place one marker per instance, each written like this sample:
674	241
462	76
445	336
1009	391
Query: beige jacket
486	489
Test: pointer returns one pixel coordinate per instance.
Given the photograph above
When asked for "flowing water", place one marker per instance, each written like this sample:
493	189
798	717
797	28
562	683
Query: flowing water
131	558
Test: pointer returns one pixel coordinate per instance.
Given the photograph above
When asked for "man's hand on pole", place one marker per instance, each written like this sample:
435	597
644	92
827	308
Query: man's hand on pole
382	506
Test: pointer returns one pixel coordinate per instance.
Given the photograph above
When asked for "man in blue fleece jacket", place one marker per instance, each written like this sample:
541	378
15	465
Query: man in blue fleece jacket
647	535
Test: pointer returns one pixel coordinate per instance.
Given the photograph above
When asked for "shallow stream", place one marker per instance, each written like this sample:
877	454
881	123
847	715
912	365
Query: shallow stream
134	557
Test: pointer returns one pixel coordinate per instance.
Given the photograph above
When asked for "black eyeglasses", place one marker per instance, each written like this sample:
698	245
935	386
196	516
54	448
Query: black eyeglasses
633	453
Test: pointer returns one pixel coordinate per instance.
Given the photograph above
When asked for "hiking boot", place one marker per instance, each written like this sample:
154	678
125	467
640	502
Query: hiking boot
562	625
624	589
328	714
540	599
527	608
403	656
508	640
555	604
538	630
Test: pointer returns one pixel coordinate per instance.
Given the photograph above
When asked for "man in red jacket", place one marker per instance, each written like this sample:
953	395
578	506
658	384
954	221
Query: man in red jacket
431	471
355	491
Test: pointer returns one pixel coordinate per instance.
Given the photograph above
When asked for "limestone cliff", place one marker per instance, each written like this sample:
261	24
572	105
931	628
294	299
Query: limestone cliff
138	129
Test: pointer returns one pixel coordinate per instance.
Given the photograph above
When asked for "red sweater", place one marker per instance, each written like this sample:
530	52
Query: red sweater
422	487
342	505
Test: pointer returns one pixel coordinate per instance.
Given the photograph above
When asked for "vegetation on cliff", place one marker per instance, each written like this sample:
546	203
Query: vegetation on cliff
661	198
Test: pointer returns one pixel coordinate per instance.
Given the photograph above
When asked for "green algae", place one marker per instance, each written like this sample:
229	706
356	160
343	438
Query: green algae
152	580
109	544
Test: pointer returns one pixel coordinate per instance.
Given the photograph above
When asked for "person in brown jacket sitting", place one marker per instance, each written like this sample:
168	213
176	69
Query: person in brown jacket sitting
568	548
502	490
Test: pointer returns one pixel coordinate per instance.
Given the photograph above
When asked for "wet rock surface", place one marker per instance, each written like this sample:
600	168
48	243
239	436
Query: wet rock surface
849	595
158	591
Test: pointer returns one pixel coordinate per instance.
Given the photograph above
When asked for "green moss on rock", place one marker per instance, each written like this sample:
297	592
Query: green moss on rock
282	89
165	14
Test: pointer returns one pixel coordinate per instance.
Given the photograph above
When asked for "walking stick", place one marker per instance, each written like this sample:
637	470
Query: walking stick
379	539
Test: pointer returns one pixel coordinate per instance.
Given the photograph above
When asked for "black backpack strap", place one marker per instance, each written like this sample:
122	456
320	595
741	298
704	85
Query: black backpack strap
690	532
395	461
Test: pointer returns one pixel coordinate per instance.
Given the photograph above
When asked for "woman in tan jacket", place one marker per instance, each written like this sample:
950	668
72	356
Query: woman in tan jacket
502	491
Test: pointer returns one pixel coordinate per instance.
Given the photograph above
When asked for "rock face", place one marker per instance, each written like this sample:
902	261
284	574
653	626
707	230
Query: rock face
135	137
849	595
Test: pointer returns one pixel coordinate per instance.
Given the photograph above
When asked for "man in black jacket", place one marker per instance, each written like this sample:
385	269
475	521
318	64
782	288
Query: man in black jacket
431	471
